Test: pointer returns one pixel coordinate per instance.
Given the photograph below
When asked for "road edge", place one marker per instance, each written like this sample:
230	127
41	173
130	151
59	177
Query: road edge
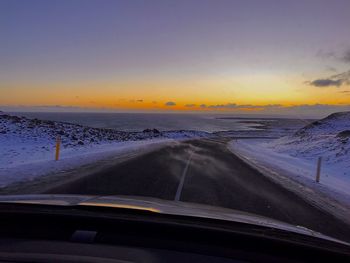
313	197
43	183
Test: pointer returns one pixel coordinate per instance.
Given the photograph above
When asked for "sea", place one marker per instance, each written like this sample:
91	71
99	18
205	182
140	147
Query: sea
141	121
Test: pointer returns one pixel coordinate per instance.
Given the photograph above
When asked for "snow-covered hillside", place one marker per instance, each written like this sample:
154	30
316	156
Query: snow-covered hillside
328	138
295	156
25	142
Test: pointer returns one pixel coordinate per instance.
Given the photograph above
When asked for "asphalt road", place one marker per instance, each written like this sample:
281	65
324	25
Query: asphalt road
205	171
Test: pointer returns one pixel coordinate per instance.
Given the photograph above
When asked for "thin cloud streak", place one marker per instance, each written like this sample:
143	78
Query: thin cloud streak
346	57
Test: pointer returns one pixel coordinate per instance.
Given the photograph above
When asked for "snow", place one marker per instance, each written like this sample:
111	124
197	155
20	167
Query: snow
259	151
28	146
27	149
328	138
295	157
73	158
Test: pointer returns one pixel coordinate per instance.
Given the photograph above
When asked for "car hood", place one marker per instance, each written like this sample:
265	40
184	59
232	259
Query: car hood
163	207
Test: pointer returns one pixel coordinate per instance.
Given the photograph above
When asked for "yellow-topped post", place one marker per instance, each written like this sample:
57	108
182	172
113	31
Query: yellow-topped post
58	144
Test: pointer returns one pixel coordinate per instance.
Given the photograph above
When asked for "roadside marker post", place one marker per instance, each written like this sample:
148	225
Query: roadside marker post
58	144
318	172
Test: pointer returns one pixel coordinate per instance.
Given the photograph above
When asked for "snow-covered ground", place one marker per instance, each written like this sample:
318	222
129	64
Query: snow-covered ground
27	146
295	156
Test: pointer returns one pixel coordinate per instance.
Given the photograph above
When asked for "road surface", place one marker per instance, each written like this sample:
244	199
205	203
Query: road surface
205	171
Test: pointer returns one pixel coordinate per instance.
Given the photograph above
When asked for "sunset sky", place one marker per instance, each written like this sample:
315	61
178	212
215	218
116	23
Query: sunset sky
180	55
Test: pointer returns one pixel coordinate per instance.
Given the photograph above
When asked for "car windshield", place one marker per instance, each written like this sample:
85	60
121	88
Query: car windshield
241	105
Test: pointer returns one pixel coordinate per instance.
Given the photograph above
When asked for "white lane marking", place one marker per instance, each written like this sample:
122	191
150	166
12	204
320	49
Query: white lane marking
182	180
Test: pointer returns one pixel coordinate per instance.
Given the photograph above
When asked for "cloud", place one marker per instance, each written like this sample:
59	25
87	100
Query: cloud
346	57
223	106
344	76
335	80
332	69
302	110
233	106
139	100
325	54
267	106
170	103
243	106
321	83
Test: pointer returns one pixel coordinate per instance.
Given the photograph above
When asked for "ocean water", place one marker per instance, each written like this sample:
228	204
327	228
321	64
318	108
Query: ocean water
141	121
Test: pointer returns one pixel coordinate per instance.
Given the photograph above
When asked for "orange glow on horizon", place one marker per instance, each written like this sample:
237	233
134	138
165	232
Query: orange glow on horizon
153	95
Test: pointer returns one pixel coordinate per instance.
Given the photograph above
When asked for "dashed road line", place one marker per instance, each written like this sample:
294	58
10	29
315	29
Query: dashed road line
182	180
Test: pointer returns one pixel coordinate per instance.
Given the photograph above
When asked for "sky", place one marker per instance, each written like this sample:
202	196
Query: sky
180	55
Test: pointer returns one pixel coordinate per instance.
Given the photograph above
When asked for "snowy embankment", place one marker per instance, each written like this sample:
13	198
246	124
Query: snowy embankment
295	156
28	146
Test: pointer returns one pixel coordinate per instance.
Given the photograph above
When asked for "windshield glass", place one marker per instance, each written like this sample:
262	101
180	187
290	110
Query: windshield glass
242	105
